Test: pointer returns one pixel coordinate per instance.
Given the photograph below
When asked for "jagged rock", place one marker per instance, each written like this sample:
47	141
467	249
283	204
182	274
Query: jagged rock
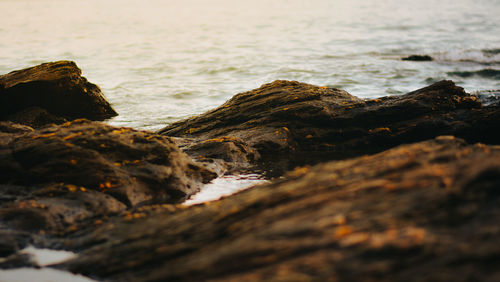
58	176
311	123
426	211
56	87
418	58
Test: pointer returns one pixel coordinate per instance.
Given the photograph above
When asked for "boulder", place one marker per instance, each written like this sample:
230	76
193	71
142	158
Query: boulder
427	211
58	88
292	120
55	177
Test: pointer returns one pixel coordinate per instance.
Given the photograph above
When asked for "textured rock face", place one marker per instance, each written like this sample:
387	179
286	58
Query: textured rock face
426	211
306	121
56	87
60	175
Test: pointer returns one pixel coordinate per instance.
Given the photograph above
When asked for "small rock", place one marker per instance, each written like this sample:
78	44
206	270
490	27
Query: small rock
418	58
57	88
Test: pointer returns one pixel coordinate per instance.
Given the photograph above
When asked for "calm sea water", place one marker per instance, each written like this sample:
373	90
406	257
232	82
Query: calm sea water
158	61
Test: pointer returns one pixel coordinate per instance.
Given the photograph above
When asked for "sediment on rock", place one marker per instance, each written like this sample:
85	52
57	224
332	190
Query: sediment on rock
425	211
54	177
301	121
57	88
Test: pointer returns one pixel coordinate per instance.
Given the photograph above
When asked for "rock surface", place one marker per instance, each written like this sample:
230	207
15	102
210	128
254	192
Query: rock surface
422	212
317	123
56	177
57	88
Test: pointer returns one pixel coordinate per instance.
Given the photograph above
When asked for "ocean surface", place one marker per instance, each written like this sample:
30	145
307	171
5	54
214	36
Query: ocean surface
158	61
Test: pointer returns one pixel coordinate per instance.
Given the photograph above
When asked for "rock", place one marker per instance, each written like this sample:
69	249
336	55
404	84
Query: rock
55	177
425	211
418	58
56	87
307	123
225	155
35	117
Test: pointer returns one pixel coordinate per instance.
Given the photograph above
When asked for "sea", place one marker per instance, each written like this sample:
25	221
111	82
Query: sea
159	61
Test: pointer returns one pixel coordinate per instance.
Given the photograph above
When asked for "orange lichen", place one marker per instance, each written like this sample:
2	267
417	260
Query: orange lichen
44	135
72	135
380	129
191	130
354	239
129	216
120	131
71	187
339	219
299	171
342	231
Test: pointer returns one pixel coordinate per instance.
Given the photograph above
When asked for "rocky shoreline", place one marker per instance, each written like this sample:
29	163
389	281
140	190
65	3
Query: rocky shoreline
395	188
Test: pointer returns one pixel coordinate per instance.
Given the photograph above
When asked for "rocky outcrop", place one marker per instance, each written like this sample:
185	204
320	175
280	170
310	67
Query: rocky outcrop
312	123
425	211
58	88
55	177
418	58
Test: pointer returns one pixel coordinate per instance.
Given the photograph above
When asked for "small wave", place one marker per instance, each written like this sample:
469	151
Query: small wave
485	56
491	52
486	73
286	70
488	97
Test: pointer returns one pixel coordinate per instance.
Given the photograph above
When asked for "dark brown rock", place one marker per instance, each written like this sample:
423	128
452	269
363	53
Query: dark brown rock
35	117
311	123
427	211
56	87
418	58
58	176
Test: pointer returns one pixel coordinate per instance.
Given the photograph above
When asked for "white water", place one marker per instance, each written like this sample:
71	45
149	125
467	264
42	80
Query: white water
43	257
40	275
224	186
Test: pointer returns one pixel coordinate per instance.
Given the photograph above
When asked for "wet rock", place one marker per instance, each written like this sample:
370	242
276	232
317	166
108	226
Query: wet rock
418	58
58	88
55	177
292	120
225	155
425	211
